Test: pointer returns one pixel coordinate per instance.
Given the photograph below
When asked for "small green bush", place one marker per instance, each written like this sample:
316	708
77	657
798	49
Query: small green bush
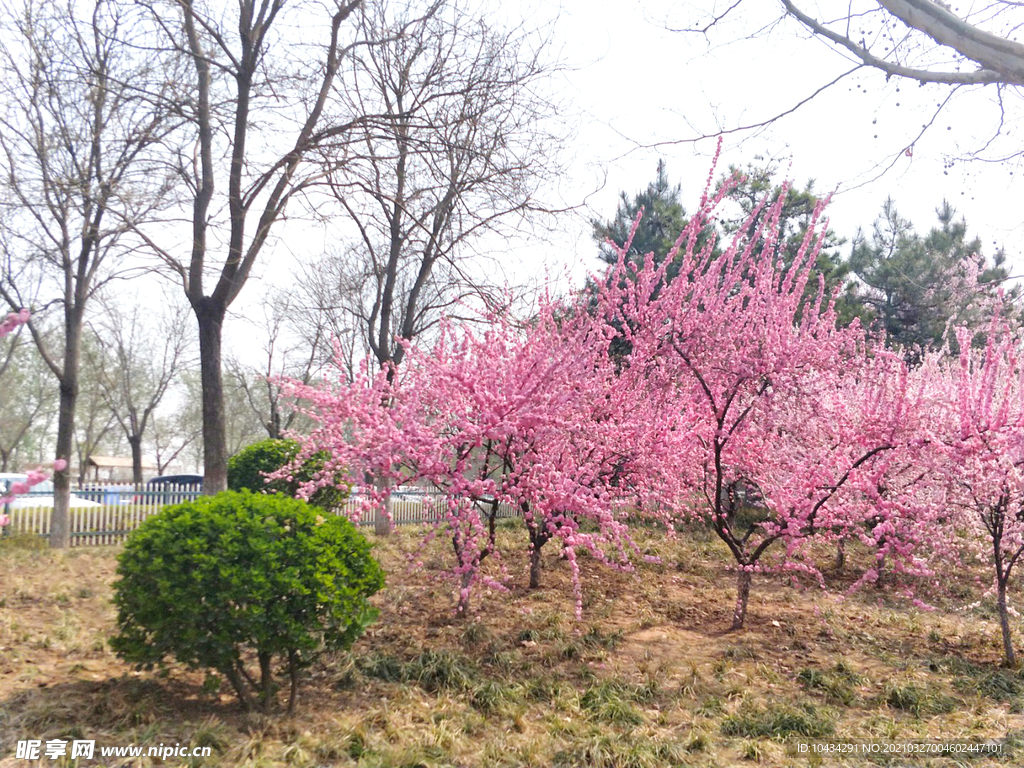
248	470
240	582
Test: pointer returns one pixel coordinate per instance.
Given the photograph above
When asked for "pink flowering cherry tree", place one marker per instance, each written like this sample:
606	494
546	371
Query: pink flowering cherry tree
526	415
788	416
724	384
978	417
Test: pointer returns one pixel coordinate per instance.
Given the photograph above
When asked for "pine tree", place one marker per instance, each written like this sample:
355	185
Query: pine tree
911	286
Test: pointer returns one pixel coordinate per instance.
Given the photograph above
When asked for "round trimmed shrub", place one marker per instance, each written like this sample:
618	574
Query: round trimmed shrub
250	585
248	470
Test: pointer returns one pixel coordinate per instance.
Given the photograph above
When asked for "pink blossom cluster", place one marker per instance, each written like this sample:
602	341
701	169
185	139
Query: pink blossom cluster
532	416
12	321
728	395
975	439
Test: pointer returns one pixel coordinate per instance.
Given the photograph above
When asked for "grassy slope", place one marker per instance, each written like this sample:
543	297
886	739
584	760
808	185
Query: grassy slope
647	678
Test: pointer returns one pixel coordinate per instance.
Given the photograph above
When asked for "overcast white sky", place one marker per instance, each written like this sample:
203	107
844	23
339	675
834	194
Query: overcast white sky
636	92
639	84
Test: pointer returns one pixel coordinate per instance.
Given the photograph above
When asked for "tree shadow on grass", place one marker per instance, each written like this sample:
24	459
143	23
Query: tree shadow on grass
127	709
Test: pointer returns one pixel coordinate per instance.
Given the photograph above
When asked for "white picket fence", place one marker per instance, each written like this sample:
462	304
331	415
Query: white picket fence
123	508
120	510
412	510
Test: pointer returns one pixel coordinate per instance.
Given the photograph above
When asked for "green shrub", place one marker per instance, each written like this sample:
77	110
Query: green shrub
248	470
240	582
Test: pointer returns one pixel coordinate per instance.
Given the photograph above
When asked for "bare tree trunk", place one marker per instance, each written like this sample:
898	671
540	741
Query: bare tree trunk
266	695
538	538
1010	658
841	555
293	677
739	615
135	441
880	581
462	608
238	683
215	445
60	521
381	523
535	568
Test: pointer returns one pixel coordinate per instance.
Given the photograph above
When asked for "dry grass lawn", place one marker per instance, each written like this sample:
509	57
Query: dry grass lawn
649	677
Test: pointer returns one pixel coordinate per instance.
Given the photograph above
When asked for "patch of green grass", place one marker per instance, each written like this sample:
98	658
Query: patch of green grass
698	742
475	632
543	690
1000	685
621	751
381	666
528	635
595	638
917	699
432	670
712	706
752	750
507	662
837	684
778	721
612	701
490	696
442	670
739	652
14	540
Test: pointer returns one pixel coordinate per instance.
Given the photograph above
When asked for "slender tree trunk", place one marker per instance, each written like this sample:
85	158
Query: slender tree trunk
238	683
381	523
841	555
135	441
535	568
538	538
293	676
462	608
880	568
60	521
739	615
266	681
215	444
1004	624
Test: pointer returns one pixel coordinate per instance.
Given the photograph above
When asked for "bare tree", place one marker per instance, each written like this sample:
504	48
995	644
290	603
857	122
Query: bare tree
76	134
924	41
463	143
27	400
95	423
171	436
141	359
285	355
176	432
263	125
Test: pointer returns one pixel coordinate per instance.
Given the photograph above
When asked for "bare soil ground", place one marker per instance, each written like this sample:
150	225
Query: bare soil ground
648	677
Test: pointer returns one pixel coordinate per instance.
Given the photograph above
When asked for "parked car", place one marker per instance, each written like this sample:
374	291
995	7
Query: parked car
171	489
39	496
